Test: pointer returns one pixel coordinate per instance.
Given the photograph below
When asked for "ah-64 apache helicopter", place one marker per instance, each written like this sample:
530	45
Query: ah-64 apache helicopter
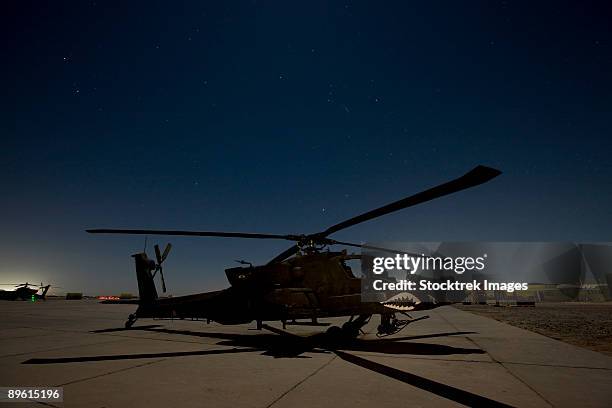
303	282
24	292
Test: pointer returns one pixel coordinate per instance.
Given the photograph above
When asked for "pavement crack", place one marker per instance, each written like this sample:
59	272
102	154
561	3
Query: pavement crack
59	348
47	404
154	338
296	385
109	373
493	361
471	340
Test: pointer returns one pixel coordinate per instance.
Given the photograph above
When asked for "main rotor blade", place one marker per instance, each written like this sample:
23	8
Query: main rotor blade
285	254
194	233
364	246
476	176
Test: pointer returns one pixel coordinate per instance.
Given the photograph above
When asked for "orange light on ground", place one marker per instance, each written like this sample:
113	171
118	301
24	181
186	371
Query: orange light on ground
108	297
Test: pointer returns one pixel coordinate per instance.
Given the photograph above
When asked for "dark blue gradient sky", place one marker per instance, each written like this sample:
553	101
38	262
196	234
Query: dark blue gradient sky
287	117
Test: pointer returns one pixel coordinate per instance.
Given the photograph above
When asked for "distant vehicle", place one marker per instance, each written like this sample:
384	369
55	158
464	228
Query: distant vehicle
24	292
303	282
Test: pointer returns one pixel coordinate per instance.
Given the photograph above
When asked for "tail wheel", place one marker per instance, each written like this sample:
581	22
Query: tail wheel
130	321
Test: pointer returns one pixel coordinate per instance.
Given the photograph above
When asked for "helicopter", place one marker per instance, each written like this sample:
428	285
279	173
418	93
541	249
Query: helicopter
24	292
306	281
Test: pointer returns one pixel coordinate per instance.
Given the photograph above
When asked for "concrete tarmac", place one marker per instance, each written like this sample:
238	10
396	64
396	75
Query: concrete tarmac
454	358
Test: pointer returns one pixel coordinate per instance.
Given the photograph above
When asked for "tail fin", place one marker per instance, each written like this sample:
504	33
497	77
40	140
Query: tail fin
146	287
44	293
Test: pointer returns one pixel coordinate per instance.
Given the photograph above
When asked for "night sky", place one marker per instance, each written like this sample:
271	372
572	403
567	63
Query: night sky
287	117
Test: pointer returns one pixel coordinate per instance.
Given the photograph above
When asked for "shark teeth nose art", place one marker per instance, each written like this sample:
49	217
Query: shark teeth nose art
403	301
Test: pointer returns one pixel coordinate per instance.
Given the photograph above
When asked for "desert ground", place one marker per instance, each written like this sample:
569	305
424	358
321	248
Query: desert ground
454	358
583	324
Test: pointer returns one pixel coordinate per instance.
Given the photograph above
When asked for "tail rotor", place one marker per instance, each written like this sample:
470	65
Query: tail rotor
160	258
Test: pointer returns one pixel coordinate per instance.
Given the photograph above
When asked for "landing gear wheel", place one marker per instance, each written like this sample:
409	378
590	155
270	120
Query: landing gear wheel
390	324
350	330
334	332
130	321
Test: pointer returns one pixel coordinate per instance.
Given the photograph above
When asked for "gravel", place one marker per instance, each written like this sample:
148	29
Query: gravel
587	325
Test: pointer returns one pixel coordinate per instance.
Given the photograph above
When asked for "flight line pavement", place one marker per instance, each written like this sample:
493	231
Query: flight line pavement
454	358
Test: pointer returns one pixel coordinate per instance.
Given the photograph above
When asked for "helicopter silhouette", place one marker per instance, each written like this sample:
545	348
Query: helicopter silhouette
24	292
306	281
